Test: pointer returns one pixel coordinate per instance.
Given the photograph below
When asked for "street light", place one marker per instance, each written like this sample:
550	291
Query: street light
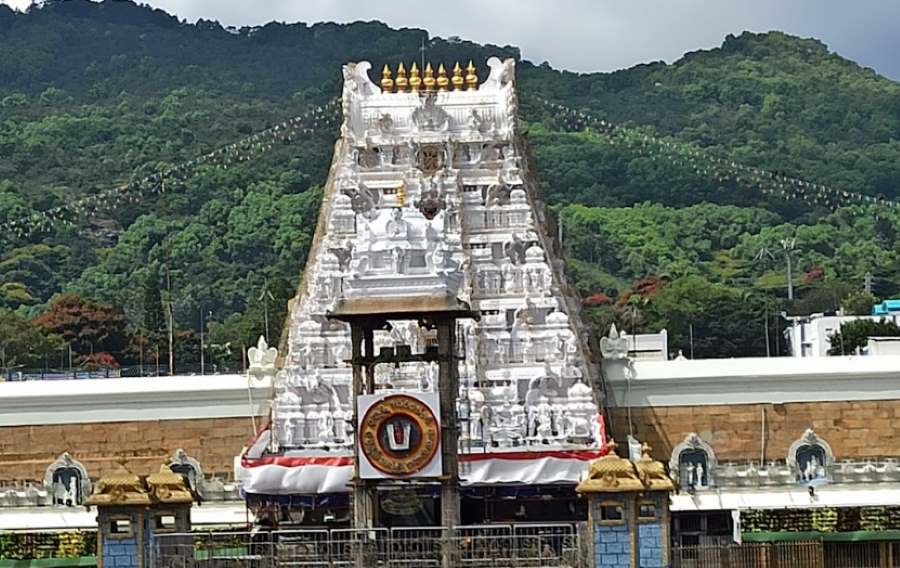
202	348
789	245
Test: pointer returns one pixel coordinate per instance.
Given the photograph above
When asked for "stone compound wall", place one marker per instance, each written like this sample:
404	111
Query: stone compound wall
27	451
859	429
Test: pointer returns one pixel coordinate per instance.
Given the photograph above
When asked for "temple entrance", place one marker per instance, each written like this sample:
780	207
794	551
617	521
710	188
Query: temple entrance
401	507
518	504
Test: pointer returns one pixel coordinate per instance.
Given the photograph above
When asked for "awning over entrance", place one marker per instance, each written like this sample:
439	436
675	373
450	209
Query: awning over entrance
35	519
838	495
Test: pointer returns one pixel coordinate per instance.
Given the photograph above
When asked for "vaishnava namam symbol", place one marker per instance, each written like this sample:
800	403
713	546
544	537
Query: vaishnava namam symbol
401	435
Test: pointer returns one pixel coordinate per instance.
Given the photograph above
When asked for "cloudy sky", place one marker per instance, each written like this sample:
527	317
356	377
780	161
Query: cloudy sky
592	35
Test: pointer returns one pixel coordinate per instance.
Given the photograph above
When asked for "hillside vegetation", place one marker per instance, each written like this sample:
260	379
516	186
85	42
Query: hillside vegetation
93	95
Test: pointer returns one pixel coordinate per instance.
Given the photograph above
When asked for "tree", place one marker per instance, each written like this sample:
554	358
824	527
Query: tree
88	326
855	335
23	344
723	322
859	303
154	320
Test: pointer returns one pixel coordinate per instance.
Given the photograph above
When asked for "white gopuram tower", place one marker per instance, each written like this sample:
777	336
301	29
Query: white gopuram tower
429	203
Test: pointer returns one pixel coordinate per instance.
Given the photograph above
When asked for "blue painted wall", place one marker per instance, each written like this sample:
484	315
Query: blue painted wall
120	552
612	546
650	545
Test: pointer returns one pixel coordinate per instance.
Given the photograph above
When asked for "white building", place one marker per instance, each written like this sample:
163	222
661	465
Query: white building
810	336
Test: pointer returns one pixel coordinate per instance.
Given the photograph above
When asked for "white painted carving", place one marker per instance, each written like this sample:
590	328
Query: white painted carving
261	359
428	199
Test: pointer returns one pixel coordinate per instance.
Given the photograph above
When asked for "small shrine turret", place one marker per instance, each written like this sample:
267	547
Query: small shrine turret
628	513
132	509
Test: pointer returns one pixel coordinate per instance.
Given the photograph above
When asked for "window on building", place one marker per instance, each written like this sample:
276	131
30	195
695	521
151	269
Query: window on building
120	527
165	522
611	513
701	528
647	512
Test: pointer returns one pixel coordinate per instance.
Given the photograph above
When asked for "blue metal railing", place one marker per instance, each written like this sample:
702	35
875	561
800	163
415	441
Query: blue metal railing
77	373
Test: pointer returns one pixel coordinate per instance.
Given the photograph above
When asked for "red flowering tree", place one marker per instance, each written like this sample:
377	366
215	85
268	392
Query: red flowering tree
92	328
599	299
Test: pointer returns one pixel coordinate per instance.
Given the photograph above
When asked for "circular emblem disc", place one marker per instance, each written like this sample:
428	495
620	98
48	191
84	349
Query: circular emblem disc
399	435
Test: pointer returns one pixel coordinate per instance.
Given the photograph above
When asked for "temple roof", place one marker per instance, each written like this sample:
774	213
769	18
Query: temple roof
400	307
615	474
123	488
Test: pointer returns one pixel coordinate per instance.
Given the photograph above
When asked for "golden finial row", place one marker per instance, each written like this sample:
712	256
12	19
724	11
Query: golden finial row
429	83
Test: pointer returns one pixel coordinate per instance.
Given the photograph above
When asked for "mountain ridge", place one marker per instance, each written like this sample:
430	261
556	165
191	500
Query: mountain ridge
87	103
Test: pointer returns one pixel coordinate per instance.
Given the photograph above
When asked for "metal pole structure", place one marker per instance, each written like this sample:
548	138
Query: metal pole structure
362	509
171	314
790	277
265	296
788	245
691	338
202	358
448	390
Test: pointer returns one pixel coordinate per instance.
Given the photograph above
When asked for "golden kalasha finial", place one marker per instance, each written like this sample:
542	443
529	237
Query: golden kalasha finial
429	81
442	80
402	82
401	194
415	82
387	84
471	77
457	79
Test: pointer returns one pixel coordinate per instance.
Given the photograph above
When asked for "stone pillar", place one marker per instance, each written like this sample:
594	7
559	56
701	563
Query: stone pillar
132	510
448	388
628	512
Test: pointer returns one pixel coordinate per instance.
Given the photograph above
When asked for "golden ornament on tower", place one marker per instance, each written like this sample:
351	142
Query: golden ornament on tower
429	81
442	80
457	80
471	77
415	81
401	82
387	84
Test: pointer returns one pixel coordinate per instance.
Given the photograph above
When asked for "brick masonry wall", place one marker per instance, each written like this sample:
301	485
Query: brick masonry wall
27	451
858	429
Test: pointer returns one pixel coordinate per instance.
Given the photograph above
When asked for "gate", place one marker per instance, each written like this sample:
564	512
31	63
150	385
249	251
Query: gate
553	545
813	554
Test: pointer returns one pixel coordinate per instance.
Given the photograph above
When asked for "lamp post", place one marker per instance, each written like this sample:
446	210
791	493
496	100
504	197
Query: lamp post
202	347
789	245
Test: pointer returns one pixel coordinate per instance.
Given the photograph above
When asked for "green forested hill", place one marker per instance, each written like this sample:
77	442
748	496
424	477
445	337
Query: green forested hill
94	95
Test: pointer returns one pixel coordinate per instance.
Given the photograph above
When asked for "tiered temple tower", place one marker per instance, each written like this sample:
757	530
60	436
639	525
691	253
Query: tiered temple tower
429	196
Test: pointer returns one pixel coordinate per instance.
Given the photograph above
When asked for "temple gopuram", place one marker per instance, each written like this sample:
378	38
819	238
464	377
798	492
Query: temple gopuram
433	321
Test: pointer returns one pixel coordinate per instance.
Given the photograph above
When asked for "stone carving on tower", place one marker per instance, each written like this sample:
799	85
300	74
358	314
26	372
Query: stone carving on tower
428	196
